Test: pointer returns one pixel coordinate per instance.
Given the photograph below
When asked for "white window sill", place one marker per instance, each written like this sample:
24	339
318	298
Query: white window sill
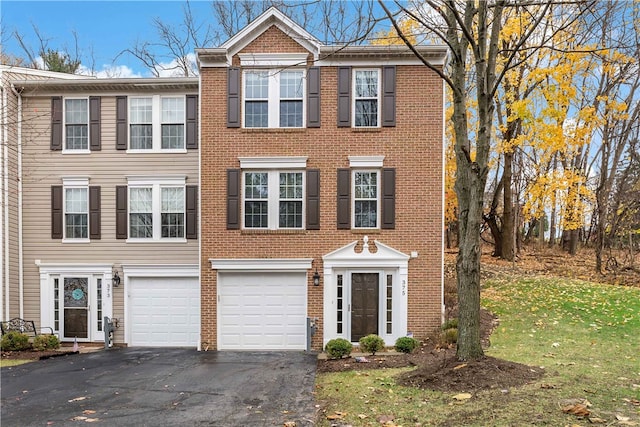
167	151
76	240
156	241
75	152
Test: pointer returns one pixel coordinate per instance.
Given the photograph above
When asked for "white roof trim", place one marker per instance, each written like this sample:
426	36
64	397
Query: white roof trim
150	180
42	73
366	161
272	59
271	16
75	181
261	264
273	162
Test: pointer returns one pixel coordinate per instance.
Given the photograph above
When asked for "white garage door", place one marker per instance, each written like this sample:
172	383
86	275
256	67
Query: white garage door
164	311
262	311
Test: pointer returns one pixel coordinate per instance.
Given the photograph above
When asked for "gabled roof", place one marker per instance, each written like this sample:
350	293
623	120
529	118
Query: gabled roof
248	34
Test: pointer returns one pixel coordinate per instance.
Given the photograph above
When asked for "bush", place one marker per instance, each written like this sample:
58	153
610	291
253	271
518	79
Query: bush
15	341
371	343
406	344
450	324
449	336
337	348
46	342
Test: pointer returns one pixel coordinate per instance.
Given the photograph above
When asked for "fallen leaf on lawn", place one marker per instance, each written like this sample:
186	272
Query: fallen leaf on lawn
462	396
88	412
596	420
384	419
635	402
77	399
92	420
621	418
460	367
547	386
578	409
336	416
289	424
362	416
78	418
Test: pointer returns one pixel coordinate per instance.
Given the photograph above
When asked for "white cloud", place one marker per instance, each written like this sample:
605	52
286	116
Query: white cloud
172	69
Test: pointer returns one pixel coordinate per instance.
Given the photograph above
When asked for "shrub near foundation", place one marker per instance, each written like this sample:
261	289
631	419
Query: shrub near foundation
46	342
371	343
15	341
406	344
337	348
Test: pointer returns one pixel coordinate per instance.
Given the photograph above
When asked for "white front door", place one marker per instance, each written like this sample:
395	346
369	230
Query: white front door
79	306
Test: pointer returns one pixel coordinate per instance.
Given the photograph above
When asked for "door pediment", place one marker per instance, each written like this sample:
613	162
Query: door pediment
384	256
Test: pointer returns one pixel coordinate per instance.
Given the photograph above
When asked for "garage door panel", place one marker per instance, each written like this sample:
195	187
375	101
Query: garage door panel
262	311
164	311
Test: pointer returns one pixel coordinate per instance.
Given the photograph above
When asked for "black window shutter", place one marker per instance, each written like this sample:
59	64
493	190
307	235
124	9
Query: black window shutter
389	96
56	212
192	122
121	212
121	123
192	212
344	96
94	212
388	198
313	97
56	123
313	199
94	123
233	97
233	199
344	199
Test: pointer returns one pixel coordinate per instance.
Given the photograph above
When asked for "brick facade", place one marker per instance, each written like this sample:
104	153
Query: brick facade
414	147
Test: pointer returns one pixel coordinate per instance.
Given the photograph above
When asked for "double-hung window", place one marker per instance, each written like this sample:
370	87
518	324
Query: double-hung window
76	124
157	209
76	212
366	97
274	98
273	199
366	198
157	123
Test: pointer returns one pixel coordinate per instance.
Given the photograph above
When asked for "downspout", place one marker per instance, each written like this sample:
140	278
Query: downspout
19	177
5	201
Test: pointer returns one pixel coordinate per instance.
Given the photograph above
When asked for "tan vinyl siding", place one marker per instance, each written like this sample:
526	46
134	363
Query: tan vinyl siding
107	168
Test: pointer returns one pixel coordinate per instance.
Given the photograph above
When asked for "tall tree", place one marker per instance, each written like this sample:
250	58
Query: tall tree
472	30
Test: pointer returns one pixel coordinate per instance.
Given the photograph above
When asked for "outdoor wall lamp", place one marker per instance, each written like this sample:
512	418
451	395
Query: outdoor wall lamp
316	278
115	279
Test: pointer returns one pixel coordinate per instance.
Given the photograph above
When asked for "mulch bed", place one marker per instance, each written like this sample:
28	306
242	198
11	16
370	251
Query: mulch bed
439	369
36	355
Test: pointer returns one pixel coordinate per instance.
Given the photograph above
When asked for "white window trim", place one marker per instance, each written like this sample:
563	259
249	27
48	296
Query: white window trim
66	150
366	161
156	184
67	183
273	99
156	125
353	98
273	199
273	162
353	198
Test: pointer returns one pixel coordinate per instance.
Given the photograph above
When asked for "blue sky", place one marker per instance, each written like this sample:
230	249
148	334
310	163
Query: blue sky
103	27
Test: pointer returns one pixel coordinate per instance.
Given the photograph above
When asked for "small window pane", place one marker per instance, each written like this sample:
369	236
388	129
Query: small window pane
140	110
76	111
173	110
366	215
256	215
256	114
366	112
172	136
339	305
141	137
290	84
256	85
290	114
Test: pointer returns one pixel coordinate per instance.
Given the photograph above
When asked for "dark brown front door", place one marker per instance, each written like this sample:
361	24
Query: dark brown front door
76	307
364	304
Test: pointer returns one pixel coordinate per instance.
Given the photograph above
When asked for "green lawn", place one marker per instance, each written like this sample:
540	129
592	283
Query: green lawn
585	335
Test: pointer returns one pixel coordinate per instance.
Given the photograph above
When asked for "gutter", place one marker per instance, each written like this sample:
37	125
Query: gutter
20	227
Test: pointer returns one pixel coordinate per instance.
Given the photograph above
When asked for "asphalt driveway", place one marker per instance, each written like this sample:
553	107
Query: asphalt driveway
161	387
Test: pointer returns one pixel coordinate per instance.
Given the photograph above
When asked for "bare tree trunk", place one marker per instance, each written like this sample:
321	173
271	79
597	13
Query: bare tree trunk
508	248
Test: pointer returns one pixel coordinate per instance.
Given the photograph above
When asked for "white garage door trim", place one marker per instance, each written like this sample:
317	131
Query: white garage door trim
275	300
177	299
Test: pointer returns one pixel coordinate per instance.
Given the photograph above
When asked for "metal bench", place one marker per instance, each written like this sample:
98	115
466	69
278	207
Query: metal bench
27	327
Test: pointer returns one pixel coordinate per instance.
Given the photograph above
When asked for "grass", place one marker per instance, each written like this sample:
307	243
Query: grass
5	363
586	335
